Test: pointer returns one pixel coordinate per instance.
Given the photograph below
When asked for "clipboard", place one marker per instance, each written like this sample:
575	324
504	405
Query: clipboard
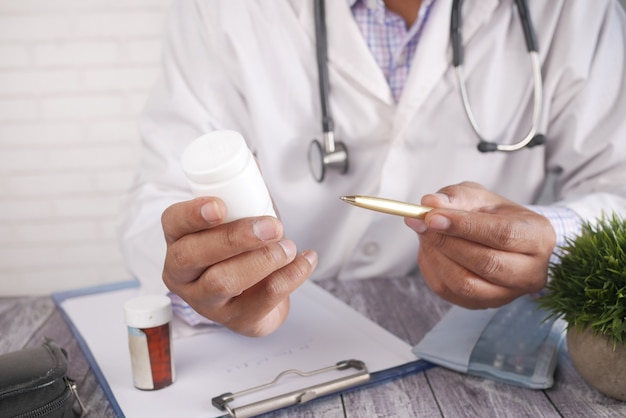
324	347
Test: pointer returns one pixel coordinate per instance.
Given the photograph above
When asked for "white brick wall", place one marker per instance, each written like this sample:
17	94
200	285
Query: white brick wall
73	77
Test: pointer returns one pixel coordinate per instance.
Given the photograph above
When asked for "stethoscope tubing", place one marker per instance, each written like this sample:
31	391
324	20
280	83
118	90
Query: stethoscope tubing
330	153
321	49
334	154
458	57
537	106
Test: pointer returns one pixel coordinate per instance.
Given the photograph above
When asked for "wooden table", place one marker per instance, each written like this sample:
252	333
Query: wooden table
404	306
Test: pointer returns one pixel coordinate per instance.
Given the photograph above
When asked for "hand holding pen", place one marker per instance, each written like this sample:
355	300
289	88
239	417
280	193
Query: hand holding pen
477	249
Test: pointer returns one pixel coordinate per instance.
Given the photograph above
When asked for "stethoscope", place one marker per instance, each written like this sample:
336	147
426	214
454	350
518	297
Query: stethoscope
332	154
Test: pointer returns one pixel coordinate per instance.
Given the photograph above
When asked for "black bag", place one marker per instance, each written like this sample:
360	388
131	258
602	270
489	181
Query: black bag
33	383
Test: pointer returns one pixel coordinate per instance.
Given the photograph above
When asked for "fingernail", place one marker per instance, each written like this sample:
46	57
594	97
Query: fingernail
311	257
438	222
211	212
418	225
265	229
289	247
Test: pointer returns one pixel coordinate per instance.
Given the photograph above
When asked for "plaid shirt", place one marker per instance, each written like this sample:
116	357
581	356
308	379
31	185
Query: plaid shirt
392	44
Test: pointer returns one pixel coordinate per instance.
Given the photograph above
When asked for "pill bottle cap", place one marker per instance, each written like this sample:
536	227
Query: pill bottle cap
215	157
148	311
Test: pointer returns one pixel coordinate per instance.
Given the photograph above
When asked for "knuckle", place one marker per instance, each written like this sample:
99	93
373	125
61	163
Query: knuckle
296	272
507	235
179	255
219	286
299	269
284	280
238	235
275	289
230	238
459	189
451	190
467	290
490	265
266	260
463	288
273	255
432	241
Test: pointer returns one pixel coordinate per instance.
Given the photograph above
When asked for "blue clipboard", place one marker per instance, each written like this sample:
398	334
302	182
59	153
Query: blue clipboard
319	302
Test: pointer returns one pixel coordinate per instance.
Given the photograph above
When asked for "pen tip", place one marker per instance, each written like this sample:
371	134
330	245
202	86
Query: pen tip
348	199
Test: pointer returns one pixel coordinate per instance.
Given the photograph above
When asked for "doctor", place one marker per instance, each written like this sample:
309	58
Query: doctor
251	66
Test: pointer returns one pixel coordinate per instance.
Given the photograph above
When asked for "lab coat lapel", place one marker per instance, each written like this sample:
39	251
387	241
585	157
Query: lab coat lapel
435	50
475	15
348	53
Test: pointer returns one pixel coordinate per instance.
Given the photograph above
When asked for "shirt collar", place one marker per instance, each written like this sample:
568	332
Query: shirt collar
377	7
373	4
370	4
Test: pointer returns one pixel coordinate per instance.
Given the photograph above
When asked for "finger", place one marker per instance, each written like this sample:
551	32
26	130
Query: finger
501	268
226	280
507	233
184	218
188	257
458	285
263	308
263	298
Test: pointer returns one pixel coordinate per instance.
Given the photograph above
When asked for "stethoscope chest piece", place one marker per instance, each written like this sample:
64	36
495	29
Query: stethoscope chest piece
331	154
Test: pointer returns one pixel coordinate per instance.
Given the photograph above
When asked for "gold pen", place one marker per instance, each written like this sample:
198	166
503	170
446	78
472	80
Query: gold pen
393	207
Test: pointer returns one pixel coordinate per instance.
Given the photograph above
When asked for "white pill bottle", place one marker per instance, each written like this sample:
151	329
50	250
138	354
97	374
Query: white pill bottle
220	164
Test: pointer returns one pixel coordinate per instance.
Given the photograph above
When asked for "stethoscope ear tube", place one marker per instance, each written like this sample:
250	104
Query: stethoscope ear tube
527	26
455	33
532	138
321	49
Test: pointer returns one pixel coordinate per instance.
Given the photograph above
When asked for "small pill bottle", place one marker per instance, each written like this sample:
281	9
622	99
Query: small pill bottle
220	164
148	319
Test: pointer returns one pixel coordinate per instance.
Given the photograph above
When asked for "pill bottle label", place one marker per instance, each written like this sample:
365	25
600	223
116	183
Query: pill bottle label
151	356
148	320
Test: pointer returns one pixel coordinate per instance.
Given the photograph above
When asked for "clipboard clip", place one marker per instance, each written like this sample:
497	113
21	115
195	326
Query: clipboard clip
300	396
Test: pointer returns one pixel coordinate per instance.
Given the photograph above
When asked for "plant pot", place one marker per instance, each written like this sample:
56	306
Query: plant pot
596	361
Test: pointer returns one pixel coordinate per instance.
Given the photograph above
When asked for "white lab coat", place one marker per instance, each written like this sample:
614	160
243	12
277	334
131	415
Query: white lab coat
250	66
